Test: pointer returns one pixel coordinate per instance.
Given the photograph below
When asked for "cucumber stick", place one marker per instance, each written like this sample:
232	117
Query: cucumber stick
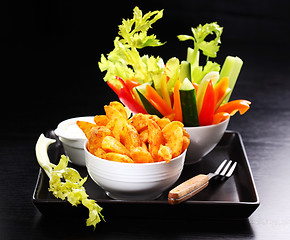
148	106
188	104
142	89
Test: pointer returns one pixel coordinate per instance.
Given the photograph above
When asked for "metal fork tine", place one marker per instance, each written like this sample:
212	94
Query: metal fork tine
220	167
226	168
232	169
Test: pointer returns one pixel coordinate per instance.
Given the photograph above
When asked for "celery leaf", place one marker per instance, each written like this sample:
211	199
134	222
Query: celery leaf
209	48
125	61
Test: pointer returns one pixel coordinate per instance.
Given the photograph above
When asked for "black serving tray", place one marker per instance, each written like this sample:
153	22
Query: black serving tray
233	198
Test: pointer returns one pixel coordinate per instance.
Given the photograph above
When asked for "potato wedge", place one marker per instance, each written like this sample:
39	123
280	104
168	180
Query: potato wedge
141	155
111	124
117	157
96	137
112	113
173	135
120	107
111	144
85	127
144	135
130	137
117	126
164	154
143	145
162	122
154	118
185	143
155	138
101	120
176	123
100	153
185	133
139	121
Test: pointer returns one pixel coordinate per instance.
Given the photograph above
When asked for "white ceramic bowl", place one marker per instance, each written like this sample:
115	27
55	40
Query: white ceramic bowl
133	181
203	140
73	139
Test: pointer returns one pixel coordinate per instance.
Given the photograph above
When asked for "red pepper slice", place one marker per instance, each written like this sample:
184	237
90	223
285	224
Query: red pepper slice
131	83
127	99
207	110
115	88
123	83
125	94
233	106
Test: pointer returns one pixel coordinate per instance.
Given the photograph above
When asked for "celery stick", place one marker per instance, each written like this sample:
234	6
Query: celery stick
231	69
193	57
185	71
190	55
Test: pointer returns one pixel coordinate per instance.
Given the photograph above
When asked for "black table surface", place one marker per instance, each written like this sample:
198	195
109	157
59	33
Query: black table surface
60	82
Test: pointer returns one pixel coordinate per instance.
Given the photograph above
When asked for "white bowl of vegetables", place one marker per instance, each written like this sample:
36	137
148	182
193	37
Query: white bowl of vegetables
204	139
184	91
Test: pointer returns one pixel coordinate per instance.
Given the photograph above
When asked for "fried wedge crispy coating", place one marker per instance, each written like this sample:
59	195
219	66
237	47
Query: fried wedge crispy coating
143	138
155	138
85	127
111	144
96	136
141	155
173	135
117	157
101	120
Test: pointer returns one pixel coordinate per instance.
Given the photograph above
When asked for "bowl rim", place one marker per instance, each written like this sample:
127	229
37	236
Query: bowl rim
209	126
131	164
60	133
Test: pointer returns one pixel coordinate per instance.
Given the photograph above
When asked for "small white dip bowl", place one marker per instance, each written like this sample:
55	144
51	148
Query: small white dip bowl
73	138
133	181
203	139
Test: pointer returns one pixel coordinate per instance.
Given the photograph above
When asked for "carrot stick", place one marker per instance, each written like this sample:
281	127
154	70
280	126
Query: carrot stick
177	103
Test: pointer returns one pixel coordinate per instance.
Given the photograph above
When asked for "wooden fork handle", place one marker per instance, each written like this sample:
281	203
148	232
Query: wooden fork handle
188	189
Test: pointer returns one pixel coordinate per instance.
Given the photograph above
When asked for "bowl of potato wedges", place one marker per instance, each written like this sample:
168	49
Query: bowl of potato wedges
134	158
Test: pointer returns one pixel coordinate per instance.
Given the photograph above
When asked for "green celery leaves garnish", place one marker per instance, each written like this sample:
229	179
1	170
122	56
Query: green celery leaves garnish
137	37
208	48
66	183
125	61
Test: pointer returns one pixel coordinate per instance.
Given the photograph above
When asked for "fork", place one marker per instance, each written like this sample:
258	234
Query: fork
194	185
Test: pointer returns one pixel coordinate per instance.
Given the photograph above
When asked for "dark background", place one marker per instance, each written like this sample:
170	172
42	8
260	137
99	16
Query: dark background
48	70
49	49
